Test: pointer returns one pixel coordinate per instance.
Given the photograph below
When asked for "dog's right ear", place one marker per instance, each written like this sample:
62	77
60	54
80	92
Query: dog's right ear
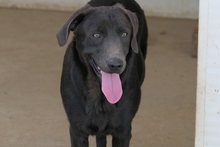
70	25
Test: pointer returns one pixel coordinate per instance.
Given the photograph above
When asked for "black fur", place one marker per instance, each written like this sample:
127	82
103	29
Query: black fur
88	111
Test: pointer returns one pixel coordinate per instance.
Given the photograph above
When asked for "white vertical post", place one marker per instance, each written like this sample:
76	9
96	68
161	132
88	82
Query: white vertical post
208	84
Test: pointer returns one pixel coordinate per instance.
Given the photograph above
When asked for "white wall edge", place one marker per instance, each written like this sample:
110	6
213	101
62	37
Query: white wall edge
201	75
208	79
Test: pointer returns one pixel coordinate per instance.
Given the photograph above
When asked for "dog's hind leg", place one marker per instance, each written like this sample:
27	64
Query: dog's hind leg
101	141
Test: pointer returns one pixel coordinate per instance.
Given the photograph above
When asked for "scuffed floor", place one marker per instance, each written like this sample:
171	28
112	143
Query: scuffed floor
31	111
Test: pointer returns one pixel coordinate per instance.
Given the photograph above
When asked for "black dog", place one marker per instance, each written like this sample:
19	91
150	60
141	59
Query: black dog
103	70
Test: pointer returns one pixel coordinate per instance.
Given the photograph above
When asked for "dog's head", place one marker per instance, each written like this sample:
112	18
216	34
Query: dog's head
104	36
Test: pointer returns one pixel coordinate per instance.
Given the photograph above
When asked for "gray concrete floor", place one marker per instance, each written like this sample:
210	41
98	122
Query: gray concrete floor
31	112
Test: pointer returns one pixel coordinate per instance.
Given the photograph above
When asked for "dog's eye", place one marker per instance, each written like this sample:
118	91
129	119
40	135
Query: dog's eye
96	35
124	34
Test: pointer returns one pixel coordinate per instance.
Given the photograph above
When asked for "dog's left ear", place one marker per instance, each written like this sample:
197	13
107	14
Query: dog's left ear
134	23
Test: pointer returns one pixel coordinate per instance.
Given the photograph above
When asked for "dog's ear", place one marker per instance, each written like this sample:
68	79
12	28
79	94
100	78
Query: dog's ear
71	23
134	23
135	26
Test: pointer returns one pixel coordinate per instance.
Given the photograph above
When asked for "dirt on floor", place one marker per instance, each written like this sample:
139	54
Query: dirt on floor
31	111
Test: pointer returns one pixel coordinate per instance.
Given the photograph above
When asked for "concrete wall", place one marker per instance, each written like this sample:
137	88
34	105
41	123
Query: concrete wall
171	8
161	8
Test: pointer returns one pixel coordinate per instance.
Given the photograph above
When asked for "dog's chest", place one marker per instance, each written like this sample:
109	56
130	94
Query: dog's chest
99	117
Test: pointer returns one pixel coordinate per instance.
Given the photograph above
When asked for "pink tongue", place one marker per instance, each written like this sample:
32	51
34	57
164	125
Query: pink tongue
111	87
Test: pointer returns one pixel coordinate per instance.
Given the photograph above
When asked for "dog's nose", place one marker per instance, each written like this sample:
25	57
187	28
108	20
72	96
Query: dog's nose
115	65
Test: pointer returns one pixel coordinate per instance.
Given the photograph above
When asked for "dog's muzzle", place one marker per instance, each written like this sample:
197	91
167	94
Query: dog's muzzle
110	82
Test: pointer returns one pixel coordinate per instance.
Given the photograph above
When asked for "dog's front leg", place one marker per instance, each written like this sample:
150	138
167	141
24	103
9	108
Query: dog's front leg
78	140
122	138
121	141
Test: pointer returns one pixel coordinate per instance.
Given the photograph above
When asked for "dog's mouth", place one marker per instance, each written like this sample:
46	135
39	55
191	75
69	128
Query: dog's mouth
96	69
110	83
